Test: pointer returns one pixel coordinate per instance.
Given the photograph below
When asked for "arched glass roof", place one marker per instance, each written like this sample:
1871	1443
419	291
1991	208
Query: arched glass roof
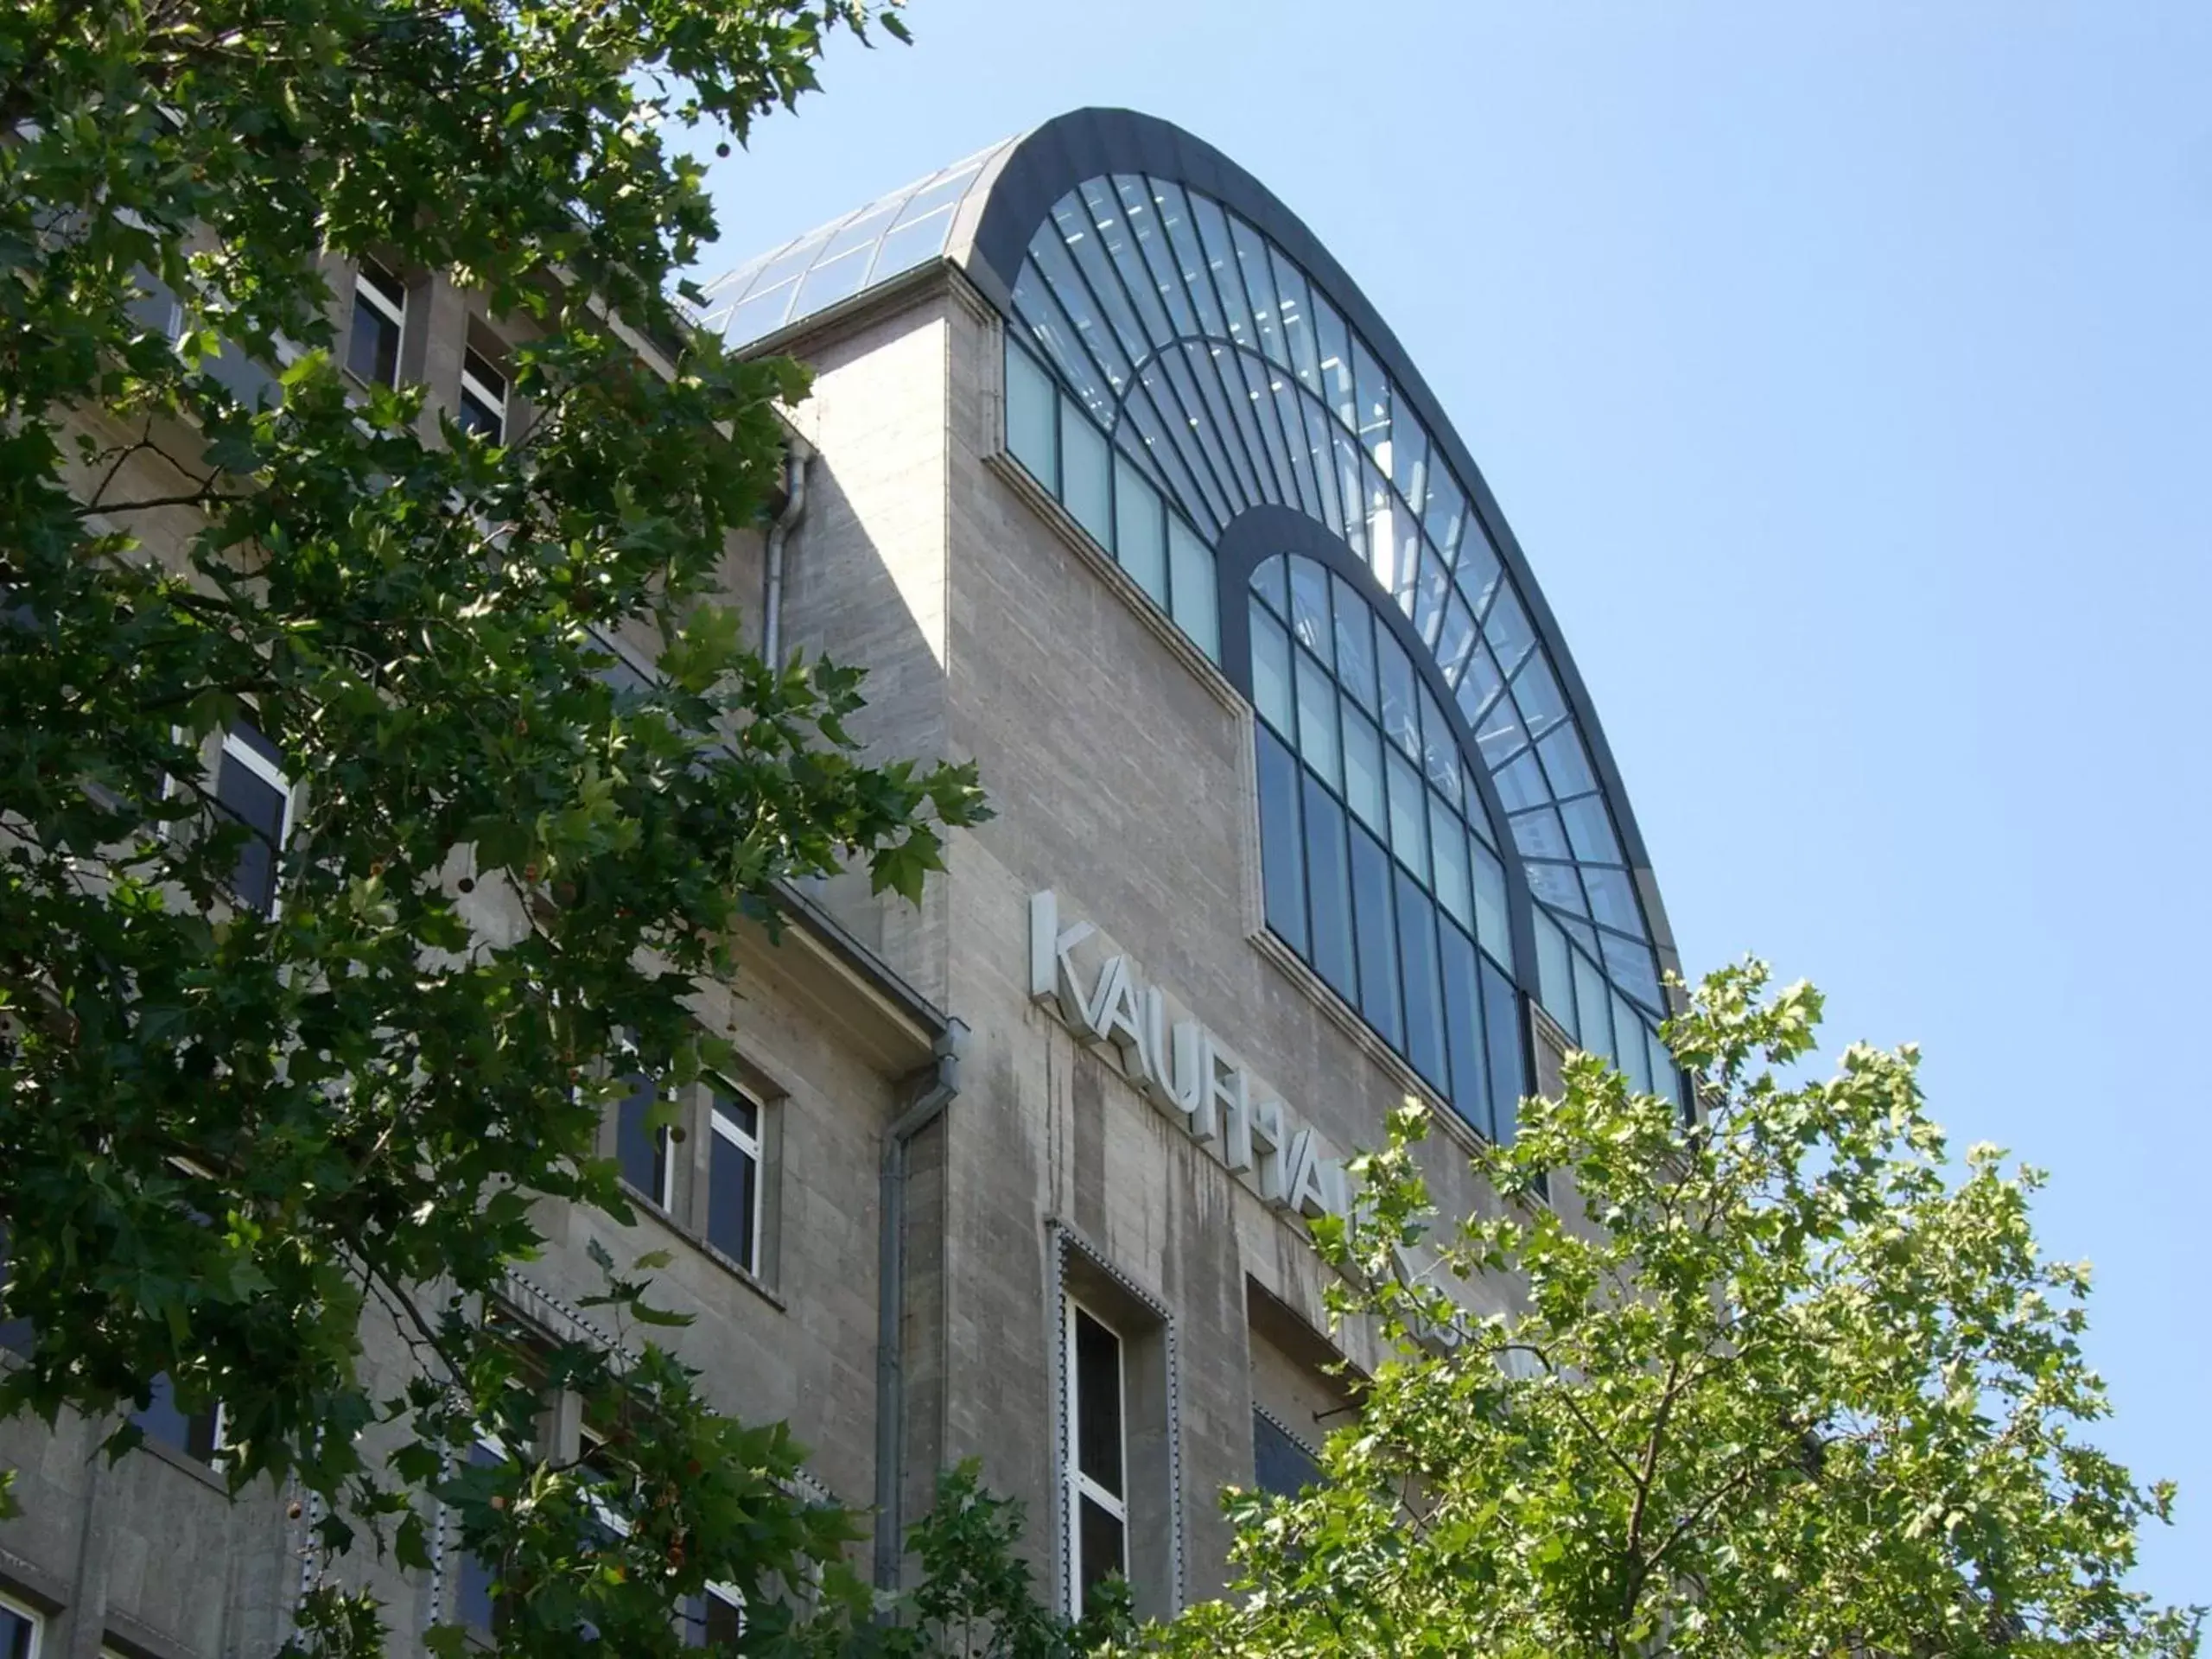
893	233
1203	335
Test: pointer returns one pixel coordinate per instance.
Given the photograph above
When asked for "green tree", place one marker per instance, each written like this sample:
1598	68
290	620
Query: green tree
1775	1385
231	1131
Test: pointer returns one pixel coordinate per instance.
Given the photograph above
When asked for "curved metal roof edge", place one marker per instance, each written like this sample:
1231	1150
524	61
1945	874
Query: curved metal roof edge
1019	185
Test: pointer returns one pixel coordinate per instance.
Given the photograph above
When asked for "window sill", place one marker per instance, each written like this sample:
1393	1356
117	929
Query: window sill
647	1210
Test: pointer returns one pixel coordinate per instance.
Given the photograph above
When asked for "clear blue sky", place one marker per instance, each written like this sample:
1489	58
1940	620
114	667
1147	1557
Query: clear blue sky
1846	372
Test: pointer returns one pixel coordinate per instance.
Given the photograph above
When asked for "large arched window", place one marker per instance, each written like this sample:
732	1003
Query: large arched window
1183	356
1380	864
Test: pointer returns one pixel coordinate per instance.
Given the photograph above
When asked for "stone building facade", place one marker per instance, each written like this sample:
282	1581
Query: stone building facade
1116	485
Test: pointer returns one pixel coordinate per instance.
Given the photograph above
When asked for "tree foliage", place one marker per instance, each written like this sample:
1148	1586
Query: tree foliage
228	1135
1776	1384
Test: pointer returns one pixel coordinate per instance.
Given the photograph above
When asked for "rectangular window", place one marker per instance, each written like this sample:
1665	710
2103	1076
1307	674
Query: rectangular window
1376	934
1501	1028
474	1604
197	1434
732	1223
19	1630
714	1618
1191	576
483	398
1329	878
1140	531
1097	1483
1282	865
251	786
1463	1025
1280	1464
379	320
1086	474
1424	987
1031	407
641	1150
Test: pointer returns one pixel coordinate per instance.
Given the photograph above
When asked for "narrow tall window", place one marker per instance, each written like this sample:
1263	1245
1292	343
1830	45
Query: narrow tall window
641	1150
733	1219
19	1631
251	786
1097	1474
379	320
474	1604
483	398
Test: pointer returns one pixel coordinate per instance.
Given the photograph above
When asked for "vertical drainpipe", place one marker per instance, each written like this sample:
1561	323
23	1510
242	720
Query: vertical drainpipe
796	457
939	1084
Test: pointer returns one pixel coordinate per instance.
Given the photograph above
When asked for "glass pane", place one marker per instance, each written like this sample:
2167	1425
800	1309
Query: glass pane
1432	591
1280	1464
1456	640
1099	1402
732	1173
1373	421
1612	901
1309	608
1502	1031
1409	461
1362	767
1141	530
1589	828
252	801
1354	634
1281	845
1439	747
1030	405
1377	936
832	281
640	1150
1479	684
1189	569
1507	629
1565	763
1100	1546
1630	963
1086	474
1479	573
1409	817
1498	732
372	353
1448	844
1271	691
1538	834
1329	876
1538	693
1423	983
1445	509
1634	1056
1555	885
1493	926
1592	1005
911	243
1463	1027
1401	721
1297	323
1336	362
1665	1079
1271	581
1555	974
16	1633
1521	783
1317	718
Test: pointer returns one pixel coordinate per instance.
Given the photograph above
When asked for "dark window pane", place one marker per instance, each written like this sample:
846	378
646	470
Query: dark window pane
738	1109
1502	1028
1099	1402
1463	1026
1280	1463
712	1620
1377	934
1100	1547
250	797
372	353
167	1423
1329	874
1424	988
641	1151
15	1631
732	1176
1282	864
472	1598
